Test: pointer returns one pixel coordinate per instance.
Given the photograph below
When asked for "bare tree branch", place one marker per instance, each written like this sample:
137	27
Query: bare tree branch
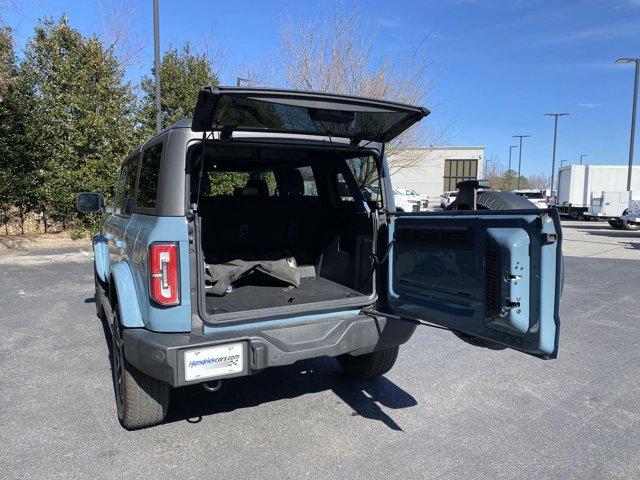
336	53
121	31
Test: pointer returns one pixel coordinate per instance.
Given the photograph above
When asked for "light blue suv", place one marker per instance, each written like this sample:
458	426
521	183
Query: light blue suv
263	231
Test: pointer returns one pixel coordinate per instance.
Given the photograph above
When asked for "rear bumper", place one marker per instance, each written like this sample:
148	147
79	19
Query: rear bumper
161	355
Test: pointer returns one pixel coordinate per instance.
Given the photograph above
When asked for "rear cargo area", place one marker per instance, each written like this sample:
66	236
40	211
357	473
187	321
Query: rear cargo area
274	205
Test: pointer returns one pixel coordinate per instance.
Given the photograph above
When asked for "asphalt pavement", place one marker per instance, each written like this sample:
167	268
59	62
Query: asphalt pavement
447	409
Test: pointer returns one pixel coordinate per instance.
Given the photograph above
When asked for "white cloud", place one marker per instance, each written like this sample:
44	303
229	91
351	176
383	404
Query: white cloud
587	105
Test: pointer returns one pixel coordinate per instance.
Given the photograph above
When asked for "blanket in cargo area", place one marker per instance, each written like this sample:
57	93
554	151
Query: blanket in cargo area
221	275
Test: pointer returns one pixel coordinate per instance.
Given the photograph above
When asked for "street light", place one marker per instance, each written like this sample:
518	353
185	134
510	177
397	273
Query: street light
582	156
511	147
520	155
555	136
239	81
633	114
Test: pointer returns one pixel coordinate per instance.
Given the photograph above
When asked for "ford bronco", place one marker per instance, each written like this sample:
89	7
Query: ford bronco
263	231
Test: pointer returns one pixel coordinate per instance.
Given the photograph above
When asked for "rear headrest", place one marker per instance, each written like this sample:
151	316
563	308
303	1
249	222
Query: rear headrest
255	187
245	192
290	182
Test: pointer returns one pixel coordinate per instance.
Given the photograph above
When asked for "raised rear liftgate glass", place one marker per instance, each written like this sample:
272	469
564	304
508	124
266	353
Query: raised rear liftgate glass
302	112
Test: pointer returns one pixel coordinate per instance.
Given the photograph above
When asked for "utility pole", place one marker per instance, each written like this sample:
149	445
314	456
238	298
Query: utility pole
582	156
511	147
520	156
156	63
555	137
633	114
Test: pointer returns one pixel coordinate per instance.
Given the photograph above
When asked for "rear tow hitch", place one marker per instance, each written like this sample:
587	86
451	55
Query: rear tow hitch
212	386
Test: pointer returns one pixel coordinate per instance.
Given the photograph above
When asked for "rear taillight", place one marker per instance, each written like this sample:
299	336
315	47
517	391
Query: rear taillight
164	278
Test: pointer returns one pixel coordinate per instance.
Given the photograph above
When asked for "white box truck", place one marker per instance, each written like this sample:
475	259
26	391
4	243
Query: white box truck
612	206
577	184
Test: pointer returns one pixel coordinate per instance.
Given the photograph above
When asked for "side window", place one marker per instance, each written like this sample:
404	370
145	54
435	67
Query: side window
310	187
343	189
224	183
365	171
127	185
269	177
149	173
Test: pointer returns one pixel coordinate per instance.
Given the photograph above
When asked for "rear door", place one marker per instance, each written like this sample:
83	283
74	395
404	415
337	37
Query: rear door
490	274
310	113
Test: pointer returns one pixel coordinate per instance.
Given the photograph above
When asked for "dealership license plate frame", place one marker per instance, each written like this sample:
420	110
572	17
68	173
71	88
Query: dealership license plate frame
205	370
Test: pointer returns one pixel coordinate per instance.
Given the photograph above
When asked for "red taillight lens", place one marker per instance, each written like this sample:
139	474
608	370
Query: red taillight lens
164	278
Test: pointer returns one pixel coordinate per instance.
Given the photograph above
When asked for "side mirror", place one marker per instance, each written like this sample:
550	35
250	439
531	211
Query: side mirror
90	202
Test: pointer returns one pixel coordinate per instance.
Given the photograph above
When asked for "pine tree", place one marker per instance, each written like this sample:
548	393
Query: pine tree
182	74
16	172
80	116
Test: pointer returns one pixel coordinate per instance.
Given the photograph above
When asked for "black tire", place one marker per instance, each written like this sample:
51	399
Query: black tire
369	365
503	201
141	400
617	224
574	214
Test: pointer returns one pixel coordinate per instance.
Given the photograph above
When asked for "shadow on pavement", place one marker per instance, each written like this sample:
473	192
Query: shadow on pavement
587	226
616	233
279	383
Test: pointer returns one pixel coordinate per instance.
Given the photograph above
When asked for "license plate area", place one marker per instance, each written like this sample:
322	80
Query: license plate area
214	362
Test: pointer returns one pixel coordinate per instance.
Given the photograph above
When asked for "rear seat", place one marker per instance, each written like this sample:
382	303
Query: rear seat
250	224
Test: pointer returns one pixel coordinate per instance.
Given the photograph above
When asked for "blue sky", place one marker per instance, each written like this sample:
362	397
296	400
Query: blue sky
499	65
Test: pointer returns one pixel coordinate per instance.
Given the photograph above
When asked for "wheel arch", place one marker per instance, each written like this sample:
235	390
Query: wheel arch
101	257
122	288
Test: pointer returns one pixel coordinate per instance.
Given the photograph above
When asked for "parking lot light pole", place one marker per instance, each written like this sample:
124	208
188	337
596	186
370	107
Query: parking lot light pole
511	147
582	156
239	81
633	114
520	155
555	137
156	63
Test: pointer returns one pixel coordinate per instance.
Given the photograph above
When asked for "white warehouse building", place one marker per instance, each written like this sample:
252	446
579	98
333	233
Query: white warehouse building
433	170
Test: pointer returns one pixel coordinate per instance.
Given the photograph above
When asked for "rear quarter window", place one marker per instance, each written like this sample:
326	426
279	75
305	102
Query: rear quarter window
127	185
149	175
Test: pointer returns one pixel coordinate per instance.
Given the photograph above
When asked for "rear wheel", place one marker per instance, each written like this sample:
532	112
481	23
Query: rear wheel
142	401
369	365
617	223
